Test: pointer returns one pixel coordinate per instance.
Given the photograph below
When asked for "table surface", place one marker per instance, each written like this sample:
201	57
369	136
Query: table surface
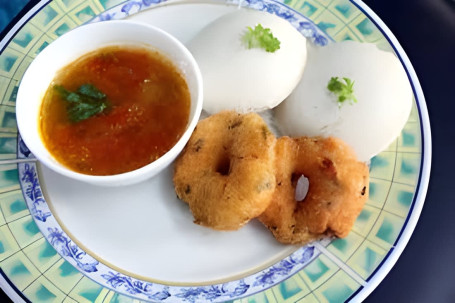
425	272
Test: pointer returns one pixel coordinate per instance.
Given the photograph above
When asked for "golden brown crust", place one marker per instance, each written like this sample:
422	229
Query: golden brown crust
226	171
337	192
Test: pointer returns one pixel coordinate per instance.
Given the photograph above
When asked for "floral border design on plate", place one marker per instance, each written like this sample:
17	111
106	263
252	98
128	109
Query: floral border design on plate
306	27
145	290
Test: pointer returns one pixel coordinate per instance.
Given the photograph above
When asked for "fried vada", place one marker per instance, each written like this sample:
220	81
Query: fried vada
226	171
338	189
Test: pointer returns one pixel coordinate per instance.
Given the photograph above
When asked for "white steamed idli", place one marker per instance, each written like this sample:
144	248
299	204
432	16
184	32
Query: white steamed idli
242	79
381	87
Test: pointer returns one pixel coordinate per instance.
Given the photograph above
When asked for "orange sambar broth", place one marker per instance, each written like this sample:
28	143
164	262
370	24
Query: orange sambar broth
148	112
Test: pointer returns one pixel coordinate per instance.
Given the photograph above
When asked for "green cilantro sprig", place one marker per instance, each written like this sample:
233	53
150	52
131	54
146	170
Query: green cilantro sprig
343	91
86	102
260	37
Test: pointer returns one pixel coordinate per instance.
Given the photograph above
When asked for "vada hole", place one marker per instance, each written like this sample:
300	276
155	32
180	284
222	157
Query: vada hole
223	166
302	185
294	178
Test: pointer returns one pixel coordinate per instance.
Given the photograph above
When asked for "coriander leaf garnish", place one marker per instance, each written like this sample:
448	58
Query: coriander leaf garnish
261	37
343	91
90	90
86	102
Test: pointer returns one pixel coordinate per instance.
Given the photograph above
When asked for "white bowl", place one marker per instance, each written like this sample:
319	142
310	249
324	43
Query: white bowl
78	42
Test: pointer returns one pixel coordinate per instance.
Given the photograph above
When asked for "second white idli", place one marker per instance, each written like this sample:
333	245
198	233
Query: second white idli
381	87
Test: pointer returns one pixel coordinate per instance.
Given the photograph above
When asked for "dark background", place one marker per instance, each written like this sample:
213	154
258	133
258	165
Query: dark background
425	272
10	9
